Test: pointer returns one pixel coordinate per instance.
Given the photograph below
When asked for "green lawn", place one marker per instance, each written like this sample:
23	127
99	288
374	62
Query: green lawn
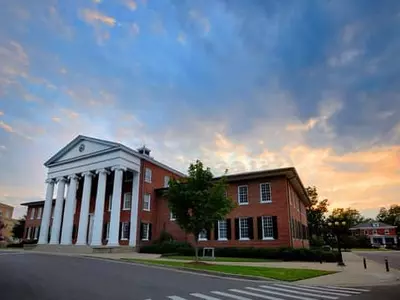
274	273
222	259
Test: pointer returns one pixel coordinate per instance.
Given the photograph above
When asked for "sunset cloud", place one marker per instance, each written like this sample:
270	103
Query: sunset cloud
94	16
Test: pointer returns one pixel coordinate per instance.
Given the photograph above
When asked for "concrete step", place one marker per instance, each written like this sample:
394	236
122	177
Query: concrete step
81	249
117	249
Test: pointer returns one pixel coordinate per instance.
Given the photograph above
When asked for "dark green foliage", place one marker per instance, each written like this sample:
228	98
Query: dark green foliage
164	237
18	229
171	247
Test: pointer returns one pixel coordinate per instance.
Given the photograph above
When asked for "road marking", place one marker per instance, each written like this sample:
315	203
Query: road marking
297	292
256	295
176	298
348	289
198	295
279	294
332	290
230	296
314	291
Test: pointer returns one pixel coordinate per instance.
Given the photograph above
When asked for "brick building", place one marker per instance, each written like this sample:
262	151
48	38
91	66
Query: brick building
110	195
379	233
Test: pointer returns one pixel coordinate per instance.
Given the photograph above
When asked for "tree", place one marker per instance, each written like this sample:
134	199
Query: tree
316	212
19	227
198	201
351	216
1	227
390	216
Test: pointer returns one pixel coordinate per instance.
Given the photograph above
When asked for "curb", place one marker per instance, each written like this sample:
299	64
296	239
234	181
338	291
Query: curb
215	273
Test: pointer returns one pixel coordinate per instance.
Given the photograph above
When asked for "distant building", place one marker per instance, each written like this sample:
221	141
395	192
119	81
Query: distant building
378	232
101	193
6	213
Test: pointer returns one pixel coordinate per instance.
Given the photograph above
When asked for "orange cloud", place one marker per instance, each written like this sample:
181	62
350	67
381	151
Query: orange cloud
94	16
6	127
56	119
1	113
131	4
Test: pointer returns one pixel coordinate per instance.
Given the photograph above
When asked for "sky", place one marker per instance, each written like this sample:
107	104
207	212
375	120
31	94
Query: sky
242	85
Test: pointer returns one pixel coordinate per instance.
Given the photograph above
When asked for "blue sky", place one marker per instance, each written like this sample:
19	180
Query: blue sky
243	85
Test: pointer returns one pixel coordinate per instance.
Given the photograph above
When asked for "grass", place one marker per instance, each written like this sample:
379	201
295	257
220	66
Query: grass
274	273
222	259
369	249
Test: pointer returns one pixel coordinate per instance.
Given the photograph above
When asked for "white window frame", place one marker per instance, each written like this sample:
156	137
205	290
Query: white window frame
172	217
146	237
36	233
39	214
166	181
123	237
32	216
268	191
149	202
147	175
219	230
240	230
129	196
203	235
110	202
247	194
263	220
28	234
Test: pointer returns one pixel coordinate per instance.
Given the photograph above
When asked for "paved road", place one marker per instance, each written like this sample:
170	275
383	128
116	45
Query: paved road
379	256
51	277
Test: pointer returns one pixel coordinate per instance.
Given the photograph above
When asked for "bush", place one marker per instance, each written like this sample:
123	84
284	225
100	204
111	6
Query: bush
180	248
164	237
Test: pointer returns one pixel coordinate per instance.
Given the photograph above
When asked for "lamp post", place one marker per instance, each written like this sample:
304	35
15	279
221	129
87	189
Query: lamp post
337	229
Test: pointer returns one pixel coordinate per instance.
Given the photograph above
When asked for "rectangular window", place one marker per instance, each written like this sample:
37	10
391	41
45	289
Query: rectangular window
145	231
147	175
203	235
146	202
107	230
127	201
243	229
28	233
125	231
386	231
36	235
374	232
267	228
109	202
172	216
265	193
222	230
166	181
32	216
242	195
39	213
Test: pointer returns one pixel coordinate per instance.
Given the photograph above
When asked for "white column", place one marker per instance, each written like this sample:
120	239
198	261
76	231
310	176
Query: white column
44	225
99	209
68	221
55	227
84	215
134	209
116	206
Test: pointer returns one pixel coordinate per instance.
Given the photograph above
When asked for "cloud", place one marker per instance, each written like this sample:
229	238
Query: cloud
3	148
63	71
203	21
14	62
132	5
6	127
1	113
56	119
69	113
303	127
94	17
344	58
181	38
134	28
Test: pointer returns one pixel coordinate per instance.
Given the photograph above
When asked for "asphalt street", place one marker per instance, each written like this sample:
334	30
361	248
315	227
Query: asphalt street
53	277
379	256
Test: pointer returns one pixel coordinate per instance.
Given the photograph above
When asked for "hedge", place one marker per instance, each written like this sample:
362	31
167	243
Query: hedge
286	254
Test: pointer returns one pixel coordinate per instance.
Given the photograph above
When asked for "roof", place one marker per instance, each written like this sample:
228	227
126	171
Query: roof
34	203
6	205
115	145
371	225
290	173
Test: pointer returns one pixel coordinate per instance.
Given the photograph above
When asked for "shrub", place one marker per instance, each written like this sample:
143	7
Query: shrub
181	248
164	237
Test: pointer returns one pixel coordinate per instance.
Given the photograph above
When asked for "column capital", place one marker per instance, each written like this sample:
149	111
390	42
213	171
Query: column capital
61	179
73	177
50	181
87	173
118	167
105	171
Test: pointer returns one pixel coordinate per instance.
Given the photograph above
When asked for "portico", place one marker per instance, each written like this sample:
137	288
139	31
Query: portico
92	167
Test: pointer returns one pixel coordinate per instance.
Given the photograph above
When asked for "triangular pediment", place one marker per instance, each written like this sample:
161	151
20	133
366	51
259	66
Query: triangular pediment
81	146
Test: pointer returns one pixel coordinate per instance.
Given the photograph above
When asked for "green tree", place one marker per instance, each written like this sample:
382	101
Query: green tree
316	212
198	201
390	216
19	227
350	215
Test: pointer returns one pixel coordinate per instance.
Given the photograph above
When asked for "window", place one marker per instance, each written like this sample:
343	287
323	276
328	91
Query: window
242	195
166	181
146	202
32	213
222	230
147	175
172	216
267	228
39	214
36	234
109	202
145	231
365	232
127	201
28	233
203	235
265	193
125	231
243	229
375	224
387	231
374	231
107	230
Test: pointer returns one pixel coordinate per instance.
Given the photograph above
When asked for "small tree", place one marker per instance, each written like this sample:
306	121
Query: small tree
198	201
18	229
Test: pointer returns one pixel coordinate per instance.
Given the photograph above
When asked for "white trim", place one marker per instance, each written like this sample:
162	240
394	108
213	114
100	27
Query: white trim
148	174
240	231
202	239
32	215
149	202
269	190
171	216
262	229
146	238
219	232
247	194
130	201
